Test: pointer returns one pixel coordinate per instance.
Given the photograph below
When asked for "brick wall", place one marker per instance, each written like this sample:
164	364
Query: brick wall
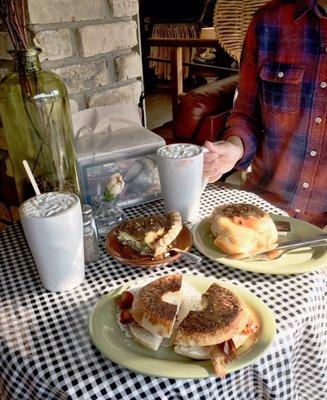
91	44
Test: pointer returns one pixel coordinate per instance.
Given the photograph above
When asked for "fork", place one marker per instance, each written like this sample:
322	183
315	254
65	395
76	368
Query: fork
314	241
277	253
187	255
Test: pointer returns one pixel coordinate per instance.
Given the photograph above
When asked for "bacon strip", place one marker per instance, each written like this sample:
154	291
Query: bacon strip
125	301
221	354
218	361
228	349
126	317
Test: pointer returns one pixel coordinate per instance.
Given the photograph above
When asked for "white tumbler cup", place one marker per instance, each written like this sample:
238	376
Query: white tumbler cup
180	170
53	227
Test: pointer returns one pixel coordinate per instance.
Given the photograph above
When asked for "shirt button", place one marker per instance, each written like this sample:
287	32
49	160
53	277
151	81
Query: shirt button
318	120
280	74
313	153
305	185
323	85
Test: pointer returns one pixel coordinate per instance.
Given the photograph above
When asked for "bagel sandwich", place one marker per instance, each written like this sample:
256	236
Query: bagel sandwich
170	312
221	325
150	235
151	310
243	229
144	337
156	305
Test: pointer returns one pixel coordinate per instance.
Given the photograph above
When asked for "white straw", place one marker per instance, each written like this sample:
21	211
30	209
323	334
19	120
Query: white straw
31	177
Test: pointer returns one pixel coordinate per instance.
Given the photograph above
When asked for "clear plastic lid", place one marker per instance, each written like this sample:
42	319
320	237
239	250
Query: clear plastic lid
48	204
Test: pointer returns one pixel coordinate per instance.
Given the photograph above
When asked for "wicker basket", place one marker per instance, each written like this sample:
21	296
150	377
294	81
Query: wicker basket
231	20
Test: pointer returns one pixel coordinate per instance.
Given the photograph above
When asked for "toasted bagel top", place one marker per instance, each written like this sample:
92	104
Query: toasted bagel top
222	317
151	310
239	210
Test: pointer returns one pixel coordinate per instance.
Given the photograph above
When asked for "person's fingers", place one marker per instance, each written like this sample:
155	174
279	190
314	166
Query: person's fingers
219	148
210	146
217	162
217	166
208	157
207	174
212	173
208	166
213	179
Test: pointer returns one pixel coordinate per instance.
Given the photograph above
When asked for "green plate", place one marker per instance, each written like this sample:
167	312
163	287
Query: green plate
113	343
294	262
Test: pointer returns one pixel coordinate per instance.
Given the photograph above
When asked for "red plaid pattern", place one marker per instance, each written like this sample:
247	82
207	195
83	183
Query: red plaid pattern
280	112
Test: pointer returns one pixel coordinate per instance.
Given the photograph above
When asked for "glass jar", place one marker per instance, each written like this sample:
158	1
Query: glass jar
35	113
107	214
91	248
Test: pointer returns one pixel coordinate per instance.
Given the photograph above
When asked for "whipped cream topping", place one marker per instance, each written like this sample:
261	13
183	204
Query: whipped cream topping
179	151
48	204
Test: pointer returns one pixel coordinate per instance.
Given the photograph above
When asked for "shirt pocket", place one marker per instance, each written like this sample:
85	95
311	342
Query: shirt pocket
281	86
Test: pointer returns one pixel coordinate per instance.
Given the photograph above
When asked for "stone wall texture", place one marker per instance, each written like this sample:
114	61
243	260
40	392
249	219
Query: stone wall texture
91	44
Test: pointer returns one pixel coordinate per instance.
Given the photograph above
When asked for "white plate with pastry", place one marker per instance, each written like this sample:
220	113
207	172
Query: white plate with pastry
219	237
179	329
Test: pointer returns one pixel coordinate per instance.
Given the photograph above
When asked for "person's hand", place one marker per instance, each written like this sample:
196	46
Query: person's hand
221	158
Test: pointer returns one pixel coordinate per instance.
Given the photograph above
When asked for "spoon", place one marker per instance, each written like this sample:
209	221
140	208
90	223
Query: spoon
187	255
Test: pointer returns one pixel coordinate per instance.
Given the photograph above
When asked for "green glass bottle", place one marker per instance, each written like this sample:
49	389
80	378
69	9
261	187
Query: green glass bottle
35	113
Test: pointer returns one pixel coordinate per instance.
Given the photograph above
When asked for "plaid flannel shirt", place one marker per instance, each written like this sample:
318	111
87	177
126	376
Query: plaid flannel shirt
280	111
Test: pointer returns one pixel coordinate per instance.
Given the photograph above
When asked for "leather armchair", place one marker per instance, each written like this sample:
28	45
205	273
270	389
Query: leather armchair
203	112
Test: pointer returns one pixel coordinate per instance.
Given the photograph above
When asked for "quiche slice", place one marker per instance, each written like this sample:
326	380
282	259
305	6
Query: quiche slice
150	235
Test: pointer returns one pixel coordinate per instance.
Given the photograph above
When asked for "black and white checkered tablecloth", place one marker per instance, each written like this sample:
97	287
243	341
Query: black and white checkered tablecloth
46	353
